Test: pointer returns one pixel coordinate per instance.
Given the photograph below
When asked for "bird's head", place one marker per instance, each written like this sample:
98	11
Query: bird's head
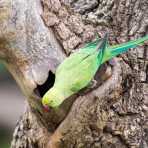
52	99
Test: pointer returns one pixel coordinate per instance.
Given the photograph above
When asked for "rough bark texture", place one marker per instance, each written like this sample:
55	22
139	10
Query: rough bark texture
115	113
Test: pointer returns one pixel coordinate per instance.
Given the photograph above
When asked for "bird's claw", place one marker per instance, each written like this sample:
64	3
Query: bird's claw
112	62
93	83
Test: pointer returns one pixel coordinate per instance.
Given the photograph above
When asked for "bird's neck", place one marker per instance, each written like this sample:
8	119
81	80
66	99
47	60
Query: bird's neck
57	92
61	92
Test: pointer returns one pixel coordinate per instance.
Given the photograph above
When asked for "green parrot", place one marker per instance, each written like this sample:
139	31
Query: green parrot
77	70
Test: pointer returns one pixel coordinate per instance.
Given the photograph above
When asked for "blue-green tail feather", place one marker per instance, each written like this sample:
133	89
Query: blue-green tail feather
115	50
118	49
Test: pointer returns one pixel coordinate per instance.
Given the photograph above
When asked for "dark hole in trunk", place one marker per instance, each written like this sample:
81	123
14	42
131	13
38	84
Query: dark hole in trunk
42	89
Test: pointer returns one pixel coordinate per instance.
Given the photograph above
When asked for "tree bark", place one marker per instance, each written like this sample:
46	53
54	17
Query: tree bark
35	36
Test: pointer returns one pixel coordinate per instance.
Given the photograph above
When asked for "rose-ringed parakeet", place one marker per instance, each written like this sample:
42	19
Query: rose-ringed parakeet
77	71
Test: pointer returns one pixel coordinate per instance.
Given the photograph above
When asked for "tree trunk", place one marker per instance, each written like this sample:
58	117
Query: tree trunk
35	36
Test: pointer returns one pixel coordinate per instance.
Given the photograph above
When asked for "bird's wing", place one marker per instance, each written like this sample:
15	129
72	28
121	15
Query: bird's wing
71	61
90	46
97	47
75	58
80	74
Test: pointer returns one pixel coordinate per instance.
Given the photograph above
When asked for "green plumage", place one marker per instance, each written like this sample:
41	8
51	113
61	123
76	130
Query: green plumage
76	71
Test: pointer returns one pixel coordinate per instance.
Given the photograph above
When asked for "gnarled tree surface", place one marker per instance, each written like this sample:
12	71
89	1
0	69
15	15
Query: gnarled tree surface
36	35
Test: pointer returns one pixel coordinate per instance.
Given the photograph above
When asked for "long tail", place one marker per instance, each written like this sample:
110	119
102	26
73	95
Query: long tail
115	50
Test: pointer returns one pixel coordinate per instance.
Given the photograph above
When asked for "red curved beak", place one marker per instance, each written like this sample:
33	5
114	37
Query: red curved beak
46	108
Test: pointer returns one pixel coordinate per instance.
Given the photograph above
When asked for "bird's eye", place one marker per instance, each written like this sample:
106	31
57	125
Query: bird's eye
51	101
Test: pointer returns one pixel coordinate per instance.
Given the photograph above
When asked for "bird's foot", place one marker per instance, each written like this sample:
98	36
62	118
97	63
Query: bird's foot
93	84
112	62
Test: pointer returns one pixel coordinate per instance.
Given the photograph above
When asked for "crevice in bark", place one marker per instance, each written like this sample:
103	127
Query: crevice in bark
123	141
42	89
